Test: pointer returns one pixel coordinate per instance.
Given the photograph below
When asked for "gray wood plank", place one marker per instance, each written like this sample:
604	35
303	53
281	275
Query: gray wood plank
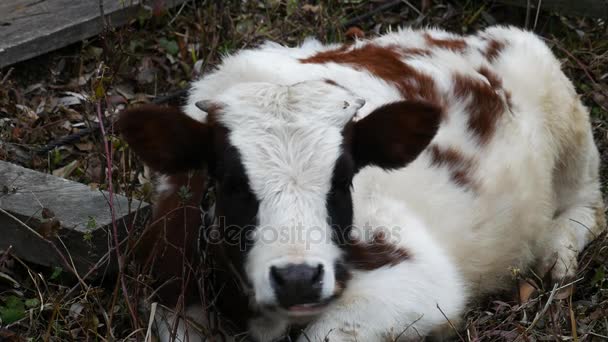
83	215
29	28
587	8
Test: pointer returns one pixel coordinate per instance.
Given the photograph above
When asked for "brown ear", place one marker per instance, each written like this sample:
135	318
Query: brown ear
395	134
165	138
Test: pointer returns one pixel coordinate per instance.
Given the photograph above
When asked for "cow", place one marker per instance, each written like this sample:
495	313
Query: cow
370	191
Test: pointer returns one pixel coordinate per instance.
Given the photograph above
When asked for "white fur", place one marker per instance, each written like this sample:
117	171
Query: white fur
537	194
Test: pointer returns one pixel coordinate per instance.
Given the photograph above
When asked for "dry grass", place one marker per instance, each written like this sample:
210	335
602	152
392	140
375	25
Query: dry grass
54	96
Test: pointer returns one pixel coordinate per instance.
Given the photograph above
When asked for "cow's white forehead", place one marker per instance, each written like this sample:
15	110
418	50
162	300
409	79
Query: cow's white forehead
250	105
289	138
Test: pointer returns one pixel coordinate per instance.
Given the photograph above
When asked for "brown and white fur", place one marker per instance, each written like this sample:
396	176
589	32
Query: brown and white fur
468	156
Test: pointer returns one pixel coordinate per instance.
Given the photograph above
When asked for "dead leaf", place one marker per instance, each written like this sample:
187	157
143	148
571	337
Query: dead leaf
49	228
76	310
116	100
73	115
354	33
146	71
84	146
32	88
47	213
67	170
311	8
125	90
68	101
94	171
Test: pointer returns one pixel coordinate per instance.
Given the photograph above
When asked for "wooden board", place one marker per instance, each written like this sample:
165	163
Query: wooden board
83	215
29	28
587	8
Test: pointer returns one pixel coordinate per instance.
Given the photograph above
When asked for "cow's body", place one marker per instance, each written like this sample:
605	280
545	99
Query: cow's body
509	181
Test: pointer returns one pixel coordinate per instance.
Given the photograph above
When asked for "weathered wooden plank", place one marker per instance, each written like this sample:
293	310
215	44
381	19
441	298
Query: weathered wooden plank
29	28
82	216
587	8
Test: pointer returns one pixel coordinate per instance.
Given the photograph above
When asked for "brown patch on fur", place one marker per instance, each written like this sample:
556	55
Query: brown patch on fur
168	245
385	63
354	33
493	49
496	83
495	80
377	253
484	106
407	52
460	167
394	134
454	44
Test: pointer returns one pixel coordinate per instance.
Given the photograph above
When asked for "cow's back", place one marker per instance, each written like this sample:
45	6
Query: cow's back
489	184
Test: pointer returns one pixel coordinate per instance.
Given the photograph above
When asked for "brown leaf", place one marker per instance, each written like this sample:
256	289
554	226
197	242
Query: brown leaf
84	146
311	8
354	33
73	115
49	228
67	170
47	213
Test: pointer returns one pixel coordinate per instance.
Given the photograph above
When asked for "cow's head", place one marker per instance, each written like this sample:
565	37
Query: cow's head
283	157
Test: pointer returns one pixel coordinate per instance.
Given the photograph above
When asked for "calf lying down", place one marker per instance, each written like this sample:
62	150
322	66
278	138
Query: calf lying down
376	188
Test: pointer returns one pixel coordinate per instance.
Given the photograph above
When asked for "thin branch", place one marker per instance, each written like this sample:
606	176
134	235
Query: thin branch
119	258
545	308
450	323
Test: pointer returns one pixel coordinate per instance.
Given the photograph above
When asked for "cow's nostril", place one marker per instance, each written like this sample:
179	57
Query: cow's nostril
297	284
275	276
318	275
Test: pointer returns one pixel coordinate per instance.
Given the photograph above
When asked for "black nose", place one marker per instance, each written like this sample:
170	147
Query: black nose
297	284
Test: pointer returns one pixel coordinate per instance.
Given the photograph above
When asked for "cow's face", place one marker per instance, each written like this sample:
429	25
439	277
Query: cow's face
283	158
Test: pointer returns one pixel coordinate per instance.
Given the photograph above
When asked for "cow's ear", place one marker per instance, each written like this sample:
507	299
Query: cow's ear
165	138
395	134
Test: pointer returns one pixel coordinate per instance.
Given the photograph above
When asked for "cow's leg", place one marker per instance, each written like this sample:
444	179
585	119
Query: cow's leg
580	215
408	300
573	230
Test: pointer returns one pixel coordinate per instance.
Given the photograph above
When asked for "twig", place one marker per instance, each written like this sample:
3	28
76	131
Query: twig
527	22
178	13
8	74
5	254
450	323
572	319
151	322
119	258
102	16
408	327
544	310
540	2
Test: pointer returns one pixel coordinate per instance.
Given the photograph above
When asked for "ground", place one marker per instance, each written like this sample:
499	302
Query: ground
49	122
